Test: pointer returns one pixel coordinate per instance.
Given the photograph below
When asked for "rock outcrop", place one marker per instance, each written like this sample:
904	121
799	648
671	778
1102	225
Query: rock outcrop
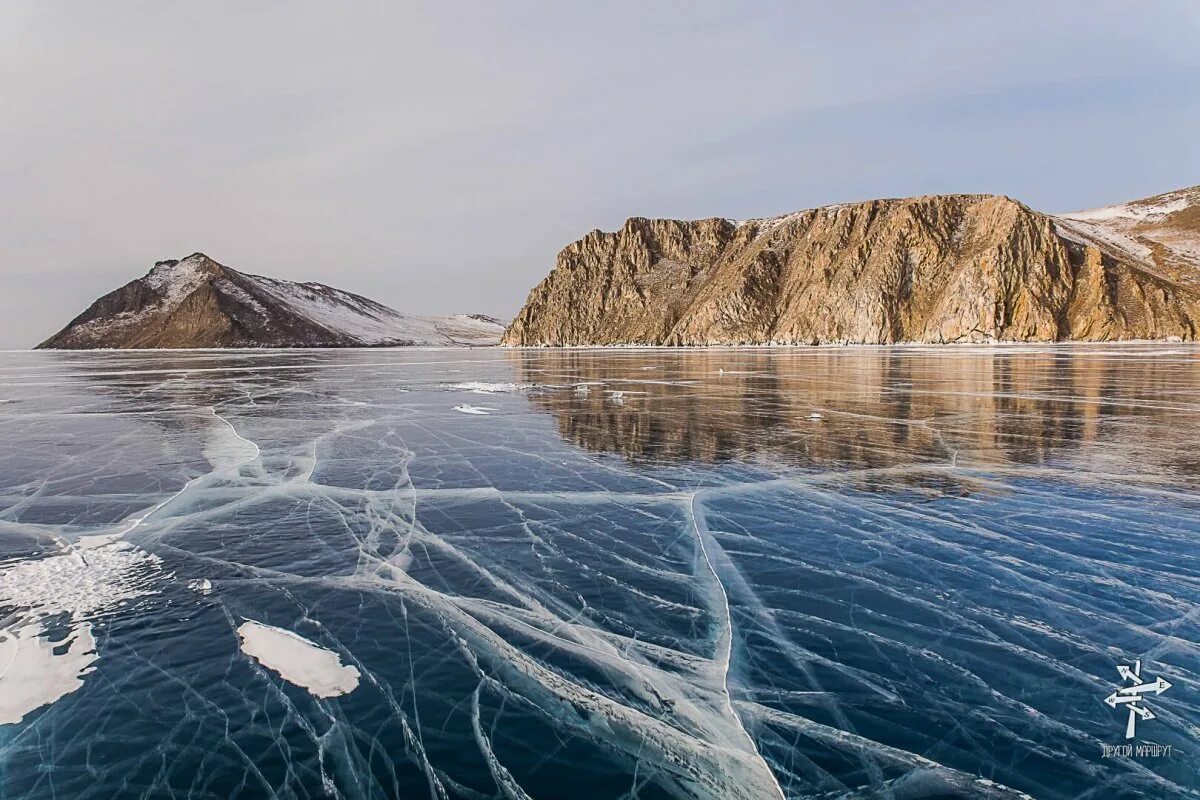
197	302
943	268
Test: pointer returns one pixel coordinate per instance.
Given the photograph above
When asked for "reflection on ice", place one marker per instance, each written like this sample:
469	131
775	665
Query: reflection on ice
883	406
850	573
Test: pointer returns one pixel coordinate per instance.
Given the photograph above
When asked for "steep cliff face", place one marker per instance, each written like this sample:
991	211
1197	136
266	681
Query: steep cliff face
197	302
948	268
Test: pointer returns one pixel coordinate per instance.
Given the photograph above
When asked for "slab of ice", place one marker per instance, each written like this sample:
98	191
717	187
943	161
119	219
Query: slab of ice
201	585
469	409
486	387
297	660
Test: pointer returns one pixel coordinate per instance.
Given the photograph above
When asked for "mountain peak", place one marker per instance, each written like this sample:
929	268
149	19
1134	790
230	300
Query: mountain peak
175	280
197	302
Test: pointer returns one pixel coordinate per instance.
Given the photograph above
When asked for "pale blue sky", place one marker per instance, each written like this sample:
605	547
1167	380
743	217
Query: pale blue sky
437	156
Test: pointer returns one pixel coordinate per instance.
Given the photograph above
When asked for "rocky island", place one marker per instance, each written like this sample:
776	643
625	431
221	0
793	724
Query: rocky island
196	302
937	269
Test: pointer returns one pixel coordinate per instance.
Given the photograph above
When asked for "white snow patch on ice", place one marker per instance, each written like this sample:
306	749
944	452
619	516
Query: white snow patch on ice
482	387
89	578
298	660
32	675
468	409
92	577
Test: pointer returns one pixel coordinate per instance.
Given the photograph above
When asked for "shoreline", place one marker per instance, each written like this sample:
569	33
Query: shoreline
1005	344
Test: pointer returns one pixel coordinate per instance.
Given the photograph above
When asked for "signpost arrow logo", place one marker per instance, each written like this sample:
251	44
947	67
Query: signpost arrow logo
1132	696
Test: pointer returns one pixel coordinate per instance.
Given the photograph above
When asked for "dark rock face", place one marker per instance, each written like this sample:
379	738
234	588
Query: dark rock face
197	302
948	268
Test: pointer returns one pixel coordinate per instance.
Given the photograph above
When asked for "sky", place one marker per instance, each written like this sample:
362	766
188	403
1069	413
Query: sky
437	156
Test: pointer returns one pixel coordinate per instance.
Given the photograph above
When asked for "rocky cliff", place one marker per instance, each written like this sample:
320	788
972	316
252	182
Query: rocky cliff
197	302
944	268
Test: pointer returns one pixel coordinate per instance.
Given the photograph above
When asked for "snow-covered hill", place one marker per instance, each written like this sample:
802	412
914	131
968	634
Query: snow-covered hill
197	302
1162	232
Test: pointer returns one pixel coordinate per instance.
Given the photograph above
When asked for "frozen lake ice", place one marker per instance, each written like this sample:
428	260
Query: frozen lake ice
731	573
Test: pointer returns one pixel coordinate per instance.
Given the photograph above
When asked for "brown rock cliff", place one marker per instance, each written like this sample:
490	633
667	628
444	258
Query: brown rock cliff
944	268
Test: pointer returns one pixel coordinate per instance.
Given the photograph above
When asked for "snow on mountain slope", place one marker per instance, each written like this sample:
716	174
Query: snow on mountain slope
1162	232
364	320
197	302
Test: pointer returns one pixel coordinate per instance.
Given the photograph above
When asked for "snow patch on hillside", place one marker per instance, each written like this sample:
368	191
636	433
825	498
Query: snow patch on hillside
1106	238
1132	229
228	287
373	324
1133	211
344	313
765	225
176	280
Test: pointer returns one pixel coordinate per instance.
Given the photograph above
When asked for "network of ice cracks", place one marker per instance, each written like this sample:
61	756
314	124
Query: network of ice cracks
635	576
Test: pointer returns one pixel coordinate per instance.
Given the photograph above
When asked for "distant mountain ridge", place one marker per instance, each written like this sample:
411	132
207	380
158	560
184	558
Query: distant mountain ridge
939	268
197	302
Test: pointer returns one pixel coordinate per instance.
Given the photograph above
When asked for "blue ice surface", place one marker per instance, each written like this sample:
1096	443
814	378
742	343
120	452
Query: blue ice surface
730	573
